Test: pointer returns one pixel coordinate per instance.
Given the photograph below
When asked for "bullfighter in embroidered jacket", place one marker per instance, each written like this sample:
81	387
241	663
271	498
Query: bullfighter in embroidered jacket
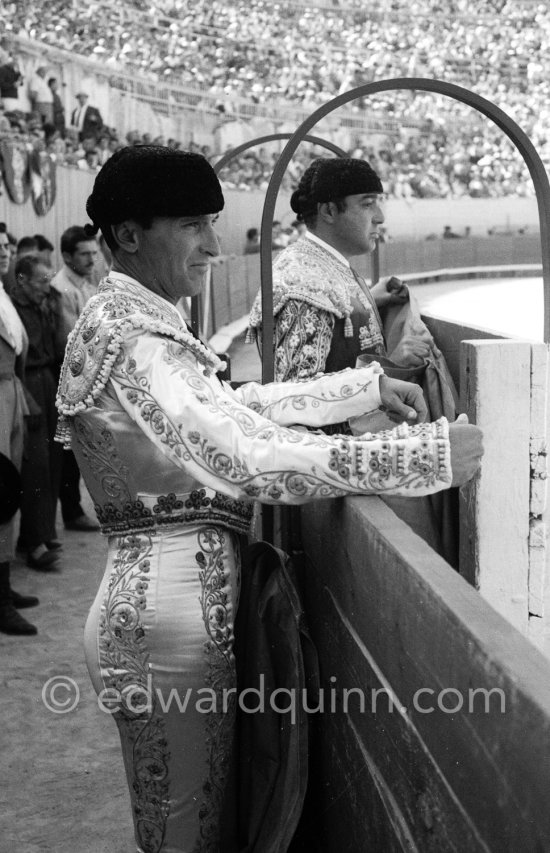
327	318
173	459
325	313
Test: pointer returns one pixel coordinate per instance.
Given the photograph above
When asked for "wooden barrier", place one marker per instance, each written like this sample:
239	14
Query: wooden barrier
504	529
399	629
236	278
449	336
429	764
504	525
494	516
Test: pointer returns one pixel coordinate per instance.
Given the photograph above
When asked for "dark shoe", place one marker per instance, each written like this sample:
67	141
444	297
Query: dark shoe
22	601
44	563
82	523
11	622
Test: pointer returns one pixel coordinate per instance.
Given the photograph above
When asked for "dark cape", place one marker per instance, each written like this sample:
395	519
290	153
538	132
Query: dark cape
273	650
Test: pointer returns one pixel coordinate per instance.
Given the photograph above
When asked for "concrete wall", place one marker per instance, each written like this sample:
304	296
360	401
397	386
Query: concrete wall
418	218
73	188
406	221
236	280
409	223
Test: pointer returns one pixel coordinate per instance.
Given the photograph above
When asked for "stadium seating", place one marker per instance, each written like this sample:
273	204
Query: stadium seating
306	53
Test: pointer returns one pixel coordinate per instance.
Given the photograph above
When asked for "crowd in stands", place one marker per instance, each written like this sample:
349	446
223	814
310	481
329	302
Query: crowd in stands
438	165
297	53
45	128
262	49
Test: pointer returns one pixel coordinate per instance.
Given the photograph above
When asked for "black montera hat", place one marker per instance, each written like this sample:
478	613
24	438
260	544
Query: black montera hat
145	181
329	179
10	489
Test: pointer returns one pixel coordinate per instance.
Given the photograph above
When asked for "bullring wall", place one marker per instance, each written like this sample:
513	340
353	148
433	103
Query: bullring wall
236	280
407	221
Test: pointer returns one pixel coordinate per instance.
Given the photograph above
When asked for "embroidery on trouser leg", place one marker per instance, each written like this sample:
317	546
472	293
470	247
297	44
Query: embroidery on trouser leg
221	679
125	659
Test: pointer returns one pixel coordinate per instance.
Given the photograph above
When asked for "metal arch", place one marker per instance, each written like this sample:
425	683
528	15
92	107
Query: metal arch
273	137
487	108
223	161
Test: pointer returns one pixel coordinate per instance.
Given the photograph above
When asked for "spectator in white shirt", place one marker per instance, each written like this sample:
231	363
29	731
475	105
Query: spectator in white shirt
41	95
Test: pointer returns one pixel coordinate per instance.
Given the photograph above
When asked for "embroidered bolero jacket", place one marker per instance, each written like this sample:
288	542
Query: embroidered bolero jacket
161	440
324	318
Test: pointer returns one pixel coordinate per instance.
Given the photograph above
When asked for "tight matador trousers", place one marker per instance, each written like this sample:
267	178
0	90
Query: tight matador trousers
159	648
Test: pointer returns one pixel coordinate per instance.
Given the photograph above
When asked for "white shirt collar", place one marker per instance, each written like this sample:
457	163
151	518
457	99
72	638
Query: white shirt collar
328	247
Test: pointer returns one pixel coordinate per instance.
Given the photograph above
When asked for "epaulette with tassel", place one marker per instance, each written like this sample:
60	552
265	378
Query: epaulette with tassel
94	346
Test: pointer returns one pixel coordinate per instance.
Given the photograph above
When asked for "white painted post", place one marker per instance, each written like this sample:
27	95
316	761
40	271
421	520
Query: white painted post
538	526
494	508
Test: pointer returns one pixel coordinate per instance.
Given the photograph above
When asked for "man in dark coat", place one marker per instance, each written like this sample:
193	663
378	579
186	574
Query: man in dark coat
86	119
40	312
58	108
10	80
